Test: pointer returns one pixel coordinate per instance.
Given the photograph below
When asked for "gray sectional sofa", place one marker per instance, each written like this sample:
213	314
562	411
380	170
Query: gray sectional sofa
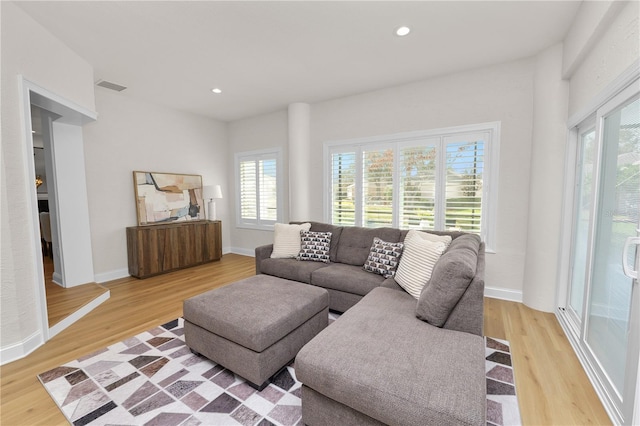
392	359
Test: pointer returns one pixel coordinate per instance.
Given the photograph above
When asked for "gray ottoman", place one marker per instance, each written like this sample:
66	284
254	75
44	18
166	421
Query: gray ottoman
255	326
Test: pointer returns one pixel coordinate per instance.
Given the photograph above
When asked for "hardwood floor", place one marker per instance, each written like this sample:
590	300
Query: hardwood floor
552	387
62	302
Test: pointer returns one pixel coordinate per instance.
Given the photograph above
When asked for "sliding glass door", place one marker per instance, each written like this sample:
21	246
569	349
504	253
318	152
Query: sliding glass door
602	300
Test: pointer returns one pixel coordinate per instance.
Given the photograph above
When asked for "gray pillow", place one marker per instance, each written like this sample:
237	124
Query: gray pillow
450	278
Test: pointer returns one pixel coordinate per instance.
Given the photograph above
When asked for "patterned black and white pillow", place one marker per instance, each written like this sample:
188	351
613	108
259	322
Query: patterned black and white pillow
314	246
383	258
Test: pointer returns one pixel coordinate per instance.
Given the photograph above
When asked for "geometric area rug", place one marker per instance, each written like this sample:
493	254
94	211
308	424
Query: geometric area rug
154	379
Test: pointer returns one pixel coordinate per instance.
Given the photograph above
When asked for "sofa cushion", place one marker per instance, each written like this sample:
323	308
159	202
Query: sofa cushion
383	258
379	359
286	239
290	269
346	278
314	246
451	277
355	243
421	252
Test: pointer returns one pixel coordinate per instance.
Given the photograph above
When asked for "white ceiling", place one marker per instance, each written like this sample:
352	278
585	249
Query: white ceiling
265	55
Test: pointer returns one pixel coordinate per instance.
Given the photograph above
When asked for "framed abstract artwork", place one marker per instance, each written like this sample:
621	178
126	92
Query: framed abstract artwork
167	197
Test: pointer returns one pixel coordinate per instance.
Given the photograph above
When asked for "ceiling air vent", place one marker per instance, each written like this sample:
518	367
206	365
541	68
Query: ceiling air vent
109	85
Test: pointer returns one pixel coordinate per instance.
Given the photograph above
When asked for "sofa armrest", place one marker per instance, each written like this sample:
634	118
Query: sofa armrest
262	253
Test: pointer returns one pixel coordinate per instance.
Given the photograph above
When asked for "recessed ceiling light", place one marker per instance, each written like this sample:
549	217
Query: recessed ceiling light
402	31
216	90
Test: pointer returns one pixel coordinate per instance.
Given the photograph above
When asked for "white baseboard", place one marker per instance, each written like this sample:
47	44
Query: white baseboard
111	275
242	251
57	328
21	349
57	279
503	293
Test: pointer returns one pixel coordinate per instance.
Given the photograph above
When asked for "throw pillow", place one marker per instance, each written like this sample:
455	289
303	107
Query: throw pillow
450	279
286	239
315	246
383	257
419	258
446	239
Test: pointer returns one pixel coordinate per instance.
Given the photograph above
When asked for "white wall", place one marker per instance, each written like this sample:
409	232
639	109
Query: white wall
135	135
498	93
28	50
547	175
605	57
264	131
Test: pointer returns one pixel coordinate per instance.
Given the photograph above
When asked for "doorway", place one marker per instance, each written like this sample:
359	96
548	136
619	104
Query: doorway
60	123
603	296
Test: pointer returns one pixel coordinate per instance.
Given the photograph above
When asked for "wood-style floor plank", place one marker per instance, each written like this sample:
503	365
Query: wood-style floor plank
62	302
552	387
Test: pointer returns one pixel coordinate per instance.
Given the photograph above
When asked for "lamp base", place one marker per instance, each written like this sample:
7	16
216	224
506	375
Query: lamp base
211	213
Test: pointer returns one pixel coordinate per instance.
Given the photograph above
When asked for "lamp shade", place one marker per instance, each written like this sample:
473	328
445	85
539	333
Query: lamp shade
217	193
208	192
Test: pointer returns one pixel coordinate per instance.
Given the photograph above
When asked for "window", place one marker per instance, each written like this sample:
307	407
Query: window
439	180
258	179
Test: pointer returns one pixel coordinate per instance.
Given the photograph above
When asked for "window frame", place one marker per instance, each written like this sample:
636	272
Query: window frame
433	137
258	155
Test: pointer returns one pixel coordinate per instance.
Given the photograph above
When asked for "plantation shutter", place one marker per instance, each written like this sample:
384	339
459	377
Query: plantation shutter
248	191
343	188
463	182
268	190
417	187
377	187
258	186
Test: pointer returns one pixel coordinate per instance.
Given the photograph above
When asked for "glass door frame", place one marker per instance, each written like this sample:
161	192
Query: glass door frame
619	407
588	126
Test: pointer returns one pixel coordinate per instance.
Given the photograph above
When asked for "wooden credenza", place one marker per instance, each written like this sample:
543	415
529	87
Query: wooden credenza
156	249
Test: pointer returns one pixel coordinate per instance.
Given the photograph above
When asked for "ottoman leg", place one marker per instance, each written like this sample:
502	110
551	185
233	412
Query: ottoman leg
258	387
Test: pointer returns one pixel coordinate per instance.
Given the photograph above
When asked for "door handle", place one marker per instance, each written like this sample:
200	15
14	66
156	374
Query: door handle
628	270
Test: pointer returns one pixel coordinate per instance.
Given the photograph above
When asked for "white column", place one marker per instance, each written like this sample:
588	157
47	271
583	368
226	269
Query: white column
75	250
299	161
550	109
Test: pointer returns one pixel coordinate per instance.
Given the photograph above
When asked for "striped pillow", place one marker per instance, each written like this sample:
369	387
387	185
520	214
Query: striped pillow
425	235
417	262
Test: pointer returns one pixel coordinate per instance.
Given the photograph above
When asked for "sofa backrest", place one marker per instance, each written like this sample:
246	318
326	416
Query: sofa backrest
452	234
355	243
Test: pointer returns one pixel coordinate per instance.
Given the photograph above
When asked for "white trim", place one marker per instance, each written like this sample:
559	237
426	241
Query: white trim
77	315
243	251
116	274
604	397
25	88
616	86
259	224
21	349
503	294
71	113
409	136
440	138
